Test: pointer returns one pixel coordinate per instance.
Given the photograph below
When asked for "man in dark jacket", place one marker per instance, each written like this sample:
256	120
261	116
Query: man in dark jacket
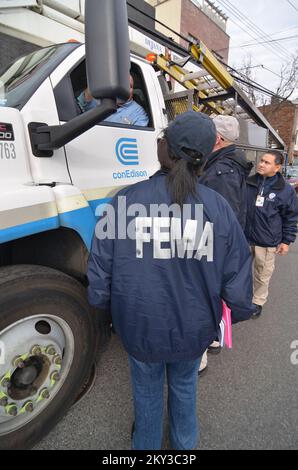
226	168
226	171
271	221
165	253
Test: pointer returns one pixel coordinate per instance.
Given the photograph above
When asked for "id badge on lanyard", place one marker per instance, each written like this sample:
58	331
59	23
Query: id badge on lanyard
260	199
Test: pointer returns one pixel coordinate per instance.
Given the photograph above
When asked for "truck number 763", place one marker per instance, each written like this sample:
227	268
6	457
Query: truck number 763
7	151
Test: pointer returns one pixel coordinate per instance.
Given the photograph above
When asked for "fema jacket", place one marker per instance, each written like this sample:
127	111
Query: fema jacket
276	221
164	288
226	172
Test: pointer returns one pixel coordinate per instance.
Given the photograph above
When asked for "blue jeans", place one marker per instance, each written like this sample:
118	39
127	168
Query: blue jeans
148	389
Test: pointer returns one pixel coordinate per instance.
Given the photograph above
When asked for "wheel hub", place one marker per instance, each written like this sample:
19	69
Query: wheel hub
26	380
38	355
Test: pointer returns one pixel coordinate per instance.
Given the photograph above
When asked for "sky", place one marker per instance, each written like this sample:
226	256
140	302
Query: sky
275	18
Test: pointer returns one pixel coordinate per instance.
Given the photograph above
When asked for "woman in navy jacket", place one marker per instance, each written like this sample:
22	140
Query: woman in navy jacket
164	279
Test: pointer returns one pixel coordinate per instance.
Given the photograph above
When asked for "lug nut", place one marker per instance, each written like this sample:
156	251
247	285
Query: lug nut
28	407
18	362
50	350
57	360
36	350
44	394
11	409
5	382
55	376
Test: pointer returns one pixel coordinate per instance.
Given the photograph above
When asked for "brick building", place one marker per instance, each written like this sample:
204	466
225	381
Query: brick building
283	116
194	19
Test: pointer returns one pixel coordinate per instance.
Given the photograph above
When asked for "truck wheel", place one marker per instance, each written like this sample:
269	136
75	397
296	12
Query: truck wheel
47	347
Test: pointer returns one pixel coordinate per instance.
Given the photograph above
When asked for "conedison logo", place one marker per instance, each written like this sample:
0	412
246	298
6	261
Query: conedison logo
127	151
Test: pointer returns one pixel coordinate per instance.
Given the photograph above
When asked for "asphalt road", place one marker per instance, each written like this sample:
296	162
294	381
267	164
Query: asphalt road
247	400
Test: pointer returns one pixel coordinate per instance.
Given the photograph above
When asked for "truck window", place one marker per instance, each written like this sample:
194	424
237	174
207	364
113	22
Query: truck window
21	78
69	90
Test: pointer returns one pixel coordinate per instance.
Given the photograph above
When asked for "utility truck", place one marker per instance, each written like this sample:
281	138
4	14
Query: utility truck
59	166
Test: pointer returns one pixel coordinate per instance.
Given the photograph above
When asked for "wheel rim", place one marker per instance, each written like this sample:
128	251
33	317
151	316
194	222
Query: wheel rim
35	359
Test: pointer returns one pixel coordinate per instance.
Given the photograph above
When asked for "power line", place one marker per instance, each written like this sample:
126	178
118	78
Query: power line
257	43
173	44
269	70
261	34
263	67
251	67
253	84
247	81
255	87
171	30
251	28
267	42
292	5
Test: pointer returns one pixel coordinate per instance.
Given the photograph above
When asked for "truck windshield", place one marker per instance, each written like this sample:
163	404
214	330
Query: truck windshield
21	79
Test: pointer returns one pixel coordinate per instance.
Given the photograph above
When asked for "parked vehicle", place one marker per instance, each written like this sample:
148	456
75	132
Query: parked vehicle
292	176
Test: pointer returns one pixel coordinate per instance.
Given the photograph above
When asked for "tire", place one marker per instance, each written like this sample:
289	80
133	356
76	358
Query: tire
41	307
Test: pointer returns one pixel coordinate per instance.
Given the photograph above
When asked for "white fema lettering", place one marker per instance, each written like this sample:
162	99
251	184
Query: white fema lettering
168	230
181	228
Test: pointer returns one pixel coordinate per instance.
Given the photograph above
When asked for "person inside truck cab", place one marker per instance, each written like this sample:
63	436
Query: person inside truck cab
129	112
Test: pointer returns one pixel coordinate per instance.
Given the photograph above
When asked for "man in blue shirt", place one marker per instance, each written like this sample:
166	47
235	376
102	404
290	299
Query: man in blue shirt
129	113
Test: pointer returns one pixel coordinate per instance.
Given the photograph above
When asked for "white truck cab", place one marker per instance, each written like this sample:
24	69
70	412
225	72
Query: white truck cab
43	88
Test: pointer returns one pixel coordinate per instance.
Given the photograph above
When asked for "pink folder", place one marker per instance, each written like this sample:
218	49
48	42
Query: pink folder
227	319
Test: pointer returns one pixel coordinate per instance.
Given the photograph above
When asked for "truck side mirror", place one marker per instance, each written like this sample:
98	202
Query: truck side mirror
107	48
107	57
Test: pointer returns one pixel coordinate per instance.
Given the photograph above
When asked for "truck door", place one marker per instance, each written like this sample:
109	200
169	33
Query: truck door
111	155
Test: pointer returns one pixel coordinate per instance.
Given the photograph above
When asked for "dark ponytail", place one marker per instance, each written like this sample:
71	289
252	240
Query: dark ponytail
182	180
182	175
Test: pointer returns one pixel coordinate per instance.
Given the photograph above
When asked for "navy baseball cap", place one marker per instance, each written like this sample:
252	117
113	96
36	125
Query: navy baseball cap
191	131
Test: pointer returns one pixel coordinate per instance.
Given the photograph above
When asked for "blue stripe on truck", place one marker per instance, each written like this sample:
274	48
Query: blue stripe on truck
81	220
31	228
